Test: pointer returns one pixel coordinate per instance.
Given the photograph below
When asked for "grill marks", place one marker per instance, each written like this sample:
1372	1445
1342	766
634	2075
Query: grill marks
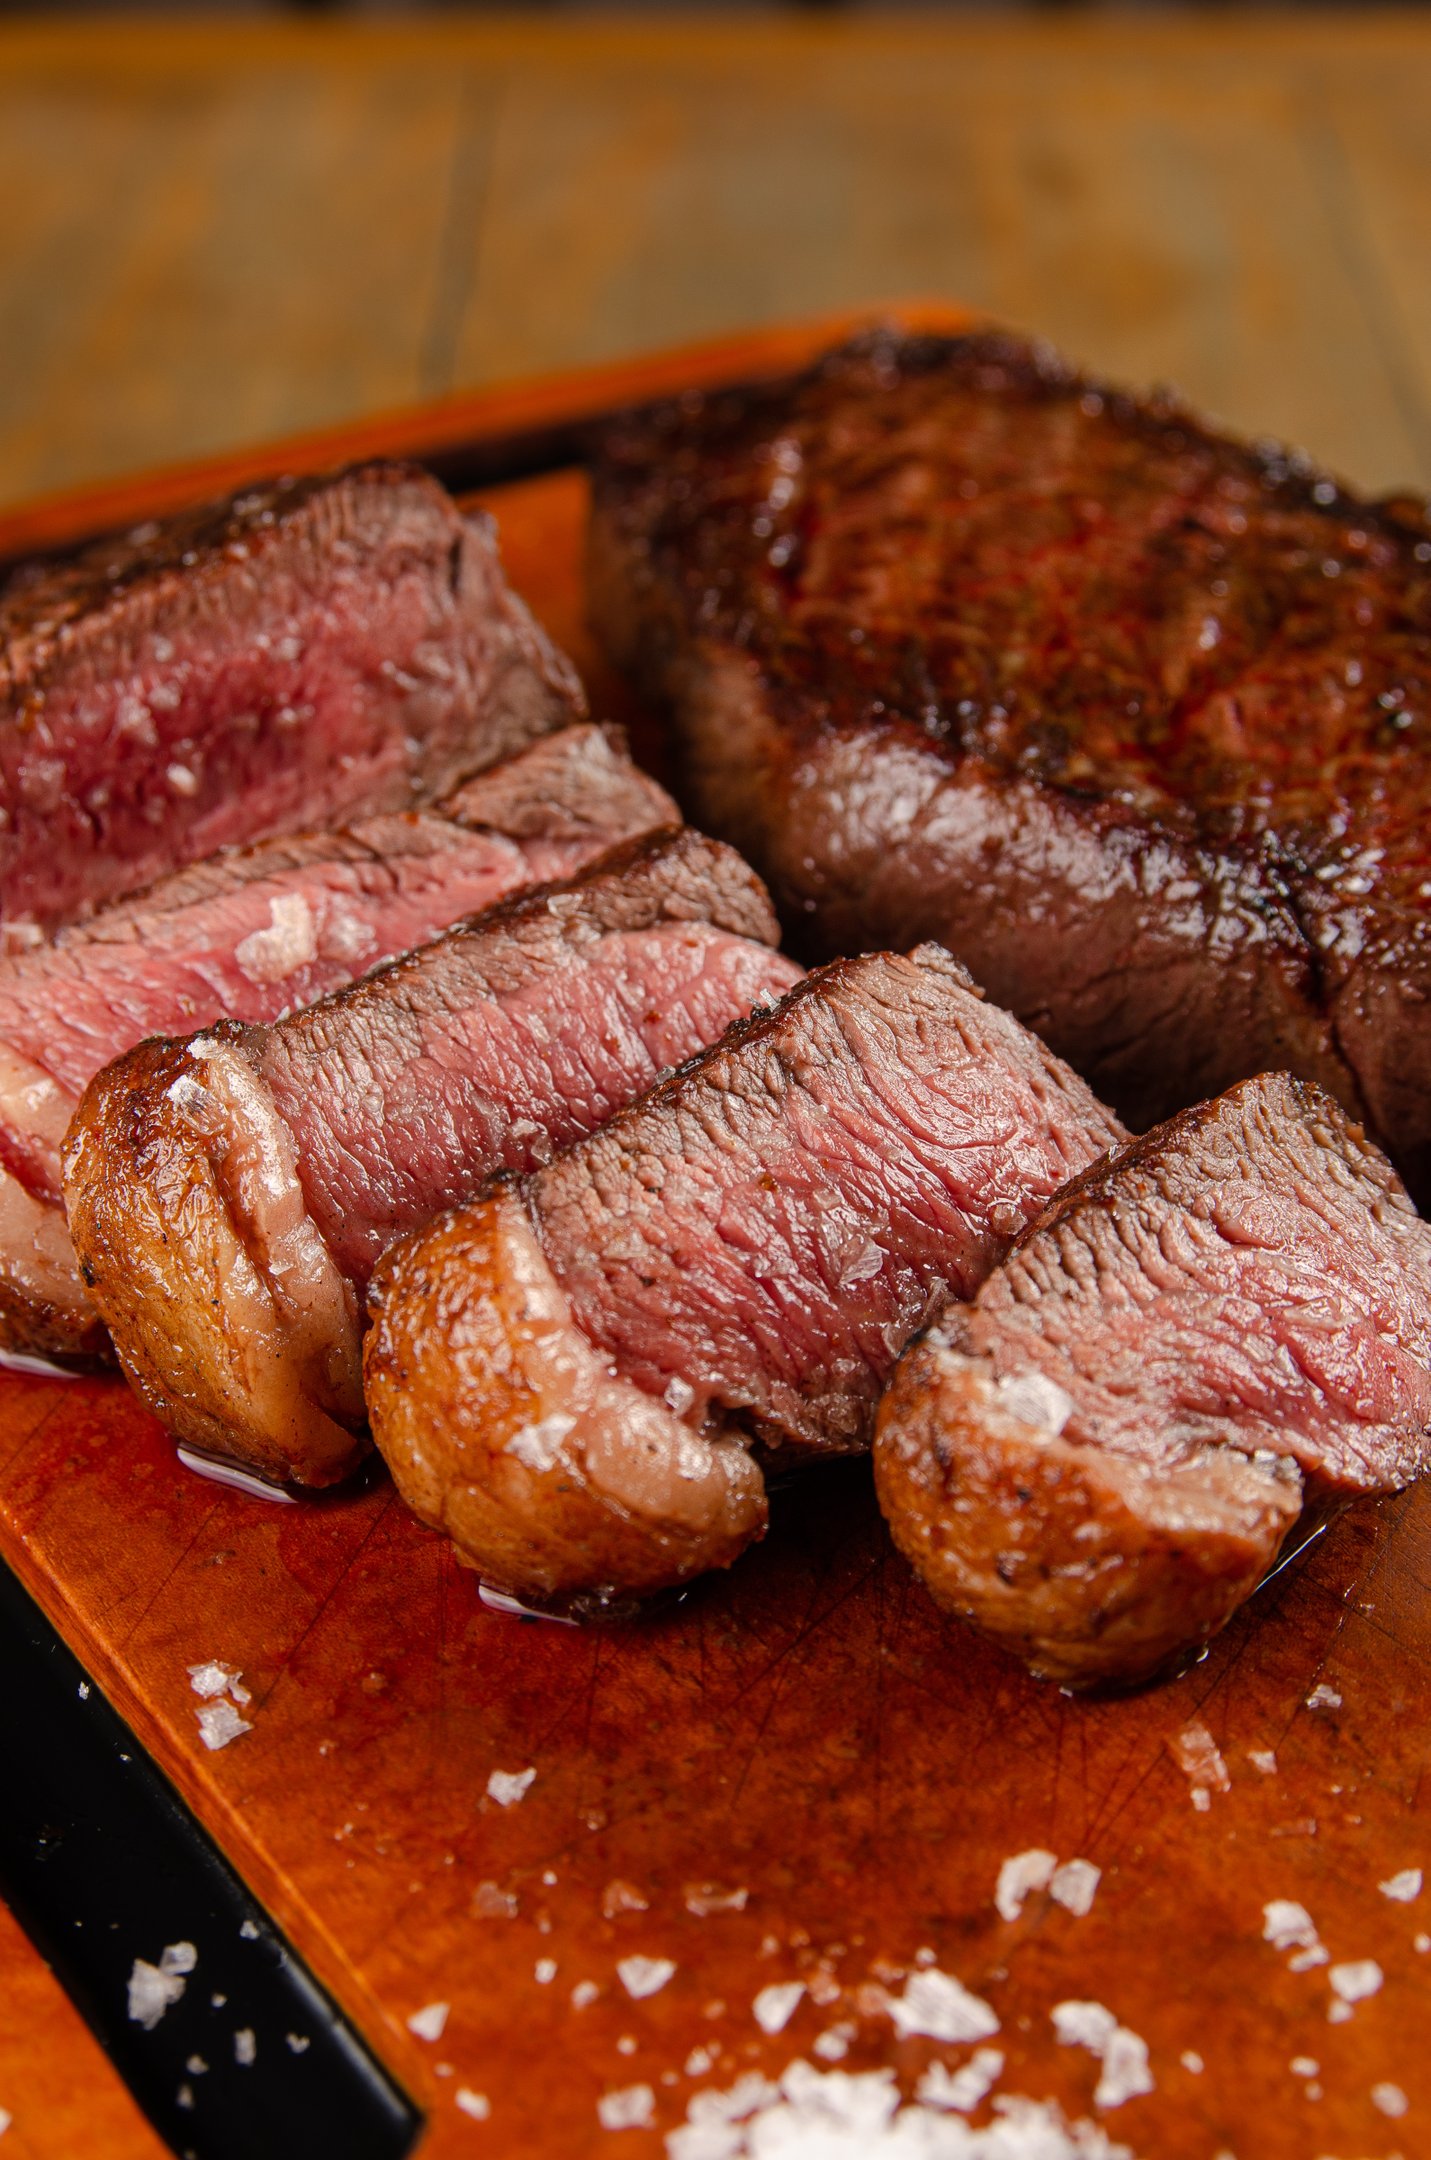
1100	1454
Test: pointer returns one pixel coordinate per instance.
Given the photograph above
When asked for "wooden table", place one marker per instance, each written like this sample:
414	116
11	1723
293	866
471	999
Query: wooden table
217	234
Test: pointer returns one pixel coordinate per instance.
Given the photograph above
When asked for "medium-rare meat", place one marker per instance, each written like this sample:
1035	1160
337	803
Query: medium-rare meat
301	653
1099	1456
251	935
229	1194
562	1376
1132	716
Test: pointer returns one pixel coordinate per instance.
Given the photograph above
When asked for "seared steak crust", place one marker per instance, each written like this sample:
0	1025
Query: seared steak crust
1133	716
250	935
1099	1456
740	1255
300	653
228	1194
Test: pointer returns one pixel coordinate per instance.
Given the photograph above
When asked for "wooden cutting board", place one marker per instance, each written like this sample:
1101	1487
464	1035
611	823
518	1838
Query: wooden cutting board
798	1775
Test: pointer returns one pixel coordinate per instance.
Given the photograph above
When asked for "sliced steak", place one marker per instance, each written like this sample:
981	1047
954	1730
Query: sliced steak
253	934
1099	1456
743	1254
229	1194
304	652
1132	716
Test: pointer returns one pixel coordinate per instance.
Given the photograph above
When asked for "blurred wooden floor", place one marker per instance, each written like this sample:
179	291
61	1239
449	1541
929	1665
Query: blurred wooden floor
219	232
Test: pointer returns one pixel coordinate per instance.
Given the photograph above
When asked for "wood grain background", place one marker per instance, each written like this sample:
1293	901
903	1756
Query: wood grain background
215	233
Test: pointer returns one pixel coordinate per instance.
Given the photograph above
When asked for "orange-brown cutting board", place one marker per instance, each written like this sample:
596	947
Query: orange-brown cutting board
797	1773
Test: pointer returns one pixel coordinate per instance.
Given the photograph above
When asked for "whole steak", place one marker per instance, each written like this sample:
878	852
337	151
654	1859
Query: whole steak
1132	716
302	653
1100	1455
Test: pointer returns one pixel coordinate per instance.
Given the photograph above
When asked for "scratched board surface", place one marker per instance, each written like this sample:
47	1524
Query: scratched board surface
788	1798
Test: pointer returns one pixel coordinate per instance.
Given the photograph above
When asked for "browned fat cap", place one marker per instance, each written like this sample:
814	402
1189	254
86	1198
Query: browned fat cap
1098	1457
565	1377
228	1194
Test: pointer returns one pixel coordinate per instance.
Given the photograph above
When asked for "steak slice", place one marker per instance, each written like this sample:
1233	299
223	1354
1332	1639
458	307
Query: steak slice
742	1254
228	1194
1132	716
1101	1454
301	653
251	935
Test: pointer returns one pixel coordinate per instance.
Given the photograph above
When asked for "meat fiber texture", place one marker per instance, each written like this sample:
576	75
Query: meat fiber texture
229	1194
567	1376
302	653
251	935
1132	716
1221	1332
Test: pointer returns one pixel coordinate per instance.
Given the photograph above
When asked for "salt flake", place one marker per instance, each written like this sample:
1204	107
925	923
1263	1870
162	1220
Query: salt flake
1353	1982
1122	2054
642	1976
430	2022
1288	1926
472	2103
936	2004
1074	1886
507	1787
1021	1874
153	1989
1323	1697
545	1971
1390	2099
245	2047
633	2108
1403	1887
775	2005
1199	1758
961	2090
703	1899
219	1722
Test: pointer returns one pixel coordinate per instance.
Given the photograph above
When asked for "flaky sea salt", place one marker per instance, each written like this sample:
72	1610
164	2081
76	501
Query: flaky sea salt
472	2103
1390	2099
1263	1759
775	2005
1402	1887
633	2108
430	2022
1122	2054
642	1976
1353	1982
961	2090
936	2004
703	1899
1021	1874
153	1989
836	2115
1289	1926
507	1787
1192	2062
245	2047
219	1723
1323	1697
584	1994
1074	1886
6	2118
620	1897
1199	1758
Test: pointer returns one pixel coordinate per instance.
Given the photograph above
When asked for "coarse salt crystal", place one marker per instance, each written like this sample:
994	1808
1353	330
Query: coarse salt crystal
936	2004
1084	2024
1304	2066
1323	1697
1263	1759
633	2108
1199	1758
833	2045
245	2047
209	1679
698	2062
1125	2070
219	1723
774	2006
1288	1926
642	1976
298	2042
507	1787
154	1988
430	2022
6	2118
584	1994
1019	1875
703	1899
1356	1980
1074	1885
1403	1887
472	2103
545	1971
539	1445
620	1897
963	2089
1390	2099
1192	2062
